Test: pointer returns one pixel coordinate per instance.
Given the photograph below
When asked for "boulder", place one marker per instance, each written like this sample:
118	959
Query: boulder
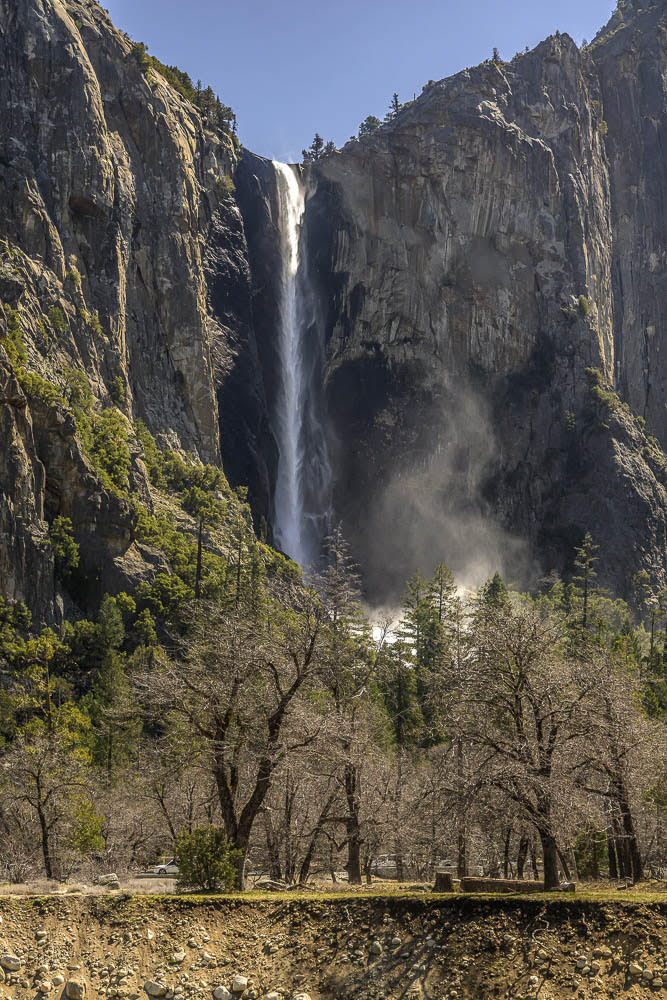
154	989
75	989
107	879
10	962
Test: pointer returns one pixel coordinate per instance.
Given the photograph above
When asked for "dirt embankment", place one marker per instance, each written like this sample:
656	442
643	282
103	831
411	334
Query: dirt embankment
462	948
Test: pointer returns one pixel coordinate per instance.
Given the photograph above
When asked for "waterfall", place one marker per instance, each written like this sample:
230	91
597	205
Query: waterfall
303	482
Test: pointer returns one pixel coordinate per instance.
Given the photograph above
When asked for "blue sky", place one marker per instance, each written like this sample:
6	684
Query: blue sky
294	67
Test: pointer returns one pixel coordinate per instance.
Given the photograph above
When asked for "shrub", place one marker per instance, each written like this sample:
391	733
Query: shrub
14	344
87	831
57	319
110	451
165	596
65	549
600	393
181	474
40	388
206	860
143	631
117	390
74	276
92	321
584	307
141	57
226	185
81	396
152	454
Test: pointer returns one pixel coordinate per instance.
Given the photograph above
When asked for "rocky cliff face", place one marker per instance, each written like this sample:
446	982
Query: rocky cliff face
122	256
478	254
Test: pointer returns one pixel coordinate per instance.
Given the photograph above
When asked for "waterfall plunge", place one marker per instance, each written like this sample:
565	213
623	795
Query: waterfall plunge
303	483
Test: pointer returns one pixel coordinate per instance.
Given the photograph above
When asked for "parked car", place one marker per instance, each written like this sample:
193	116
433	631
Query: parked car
167	868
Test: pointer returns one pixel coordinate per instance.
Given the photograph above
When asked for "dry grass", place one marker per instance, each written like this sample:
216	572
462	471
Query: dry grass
595	892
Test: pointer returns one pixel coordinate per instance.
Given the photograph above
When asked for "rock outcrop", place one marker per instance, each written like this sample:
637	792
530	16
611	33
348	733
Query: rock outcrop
122	256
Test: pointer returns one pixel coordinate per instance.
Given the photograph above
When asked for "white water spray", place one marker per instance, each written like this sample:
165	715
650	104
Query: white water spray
303	483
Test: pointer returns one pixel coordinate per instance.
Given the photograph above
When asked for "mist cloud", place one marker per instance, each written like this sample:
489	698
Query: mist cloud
433	509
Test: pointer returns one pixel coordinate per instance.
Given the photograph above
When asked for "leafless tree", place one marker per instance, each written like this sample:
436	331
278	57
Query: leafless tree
230	697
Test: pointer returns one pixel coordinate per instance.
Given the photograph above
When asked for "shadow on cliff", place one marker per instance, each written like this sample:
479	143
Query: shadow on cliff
434	508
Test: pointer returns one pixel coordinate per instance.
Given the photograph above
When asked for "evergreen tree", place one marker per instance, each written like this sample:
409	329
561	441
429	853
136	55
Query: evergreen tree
394	108
584	561
494	592
315	151
369	125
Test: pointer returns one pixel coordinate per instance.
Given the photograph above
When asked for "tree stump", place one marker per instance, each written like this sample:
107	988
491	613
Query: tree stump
443	882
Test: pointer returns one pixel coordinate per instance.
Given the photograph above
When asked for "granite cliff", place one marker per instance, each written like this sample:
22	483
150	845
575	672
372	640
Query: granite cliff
122	256
491	266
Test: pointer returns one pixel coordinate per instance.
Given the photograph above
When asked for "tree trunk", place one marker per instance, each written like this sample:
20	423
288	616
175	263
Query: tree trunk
624	869
398	846
367	871
550	857
521	855
353	865
564	865
533	861
506	852
109	753
240	844
611	856
400	865
46	846
634	855
352	828
462	854
199	558
319	826
272	848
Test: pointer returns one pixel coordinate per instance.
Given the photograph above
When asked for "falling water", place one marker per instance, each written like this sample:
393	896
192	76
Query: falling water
303	482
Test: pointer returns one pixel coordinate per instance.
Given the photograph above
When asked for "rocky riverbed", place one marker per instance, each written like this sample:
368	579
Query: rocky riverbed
187	948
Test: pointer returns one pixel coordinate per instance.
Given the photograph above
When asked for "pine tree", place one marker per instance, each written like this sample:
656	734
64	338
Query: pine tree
369	125
584	561
394	108
315	151
494	592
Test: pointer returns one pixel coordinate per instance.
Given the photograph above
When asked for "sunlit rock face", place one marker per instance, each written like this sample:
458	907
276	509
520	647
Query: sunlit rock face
116	212
477	254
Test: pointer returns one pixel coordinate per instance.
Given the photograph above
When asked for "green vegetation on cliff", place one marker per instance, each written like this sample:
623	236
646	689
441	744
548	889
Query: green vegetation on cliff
214	113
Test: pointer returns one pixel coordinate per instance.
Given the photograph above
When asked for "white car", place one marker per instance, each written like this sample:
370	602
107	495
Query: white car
168	868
